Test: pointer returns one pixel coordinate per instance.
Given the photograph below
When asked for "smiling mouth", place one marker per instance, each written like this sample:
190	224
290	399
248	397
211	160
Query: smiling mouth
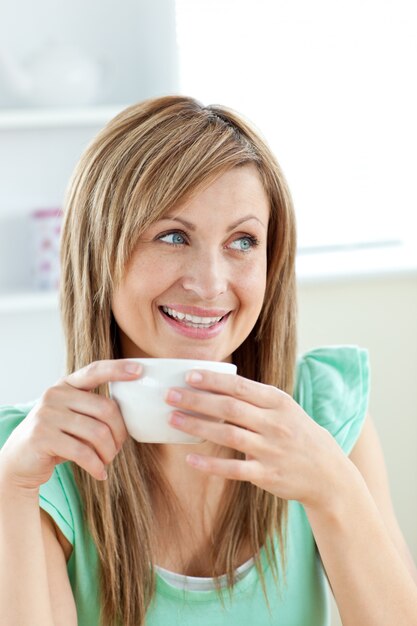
192	321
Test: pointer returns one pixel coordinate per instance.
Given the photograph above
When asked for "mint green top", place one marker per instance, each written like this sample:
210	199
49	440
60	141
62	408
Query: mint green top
332	386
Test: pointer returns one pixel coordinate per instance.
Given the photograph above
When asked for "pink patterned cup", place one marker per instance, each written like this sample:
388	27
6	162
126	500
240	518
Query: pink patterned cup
46	237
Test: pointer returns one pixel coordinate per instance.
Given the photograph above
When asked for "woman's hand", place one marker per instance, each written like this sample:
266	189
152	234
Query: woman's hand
68	423
287	452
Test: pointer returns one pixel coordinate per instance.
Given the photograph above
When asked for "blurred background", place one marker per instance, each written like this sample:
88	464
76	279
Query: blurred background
330	85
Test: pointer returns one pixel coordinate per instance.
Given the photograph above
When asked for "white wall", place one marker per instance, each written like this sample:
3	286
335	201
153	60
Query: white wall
32	354
379	314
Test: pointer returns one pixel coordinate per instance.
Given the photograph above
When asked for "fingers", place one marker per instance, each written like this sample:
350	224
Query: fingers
257	394
101	372
233	469
104	410
72	449
226	435
92	421
96	434
69	436
108	422
69	423
223	407
244	412
63	397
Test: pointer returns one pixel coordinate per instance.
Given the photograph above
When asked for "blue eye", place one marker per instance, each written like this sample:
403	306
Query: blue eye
175	238
244	243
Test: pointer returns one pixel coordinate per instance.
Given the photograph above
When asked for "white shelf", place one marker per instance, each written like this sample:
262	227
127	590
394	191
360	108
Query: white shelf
39	118
397	259
28	302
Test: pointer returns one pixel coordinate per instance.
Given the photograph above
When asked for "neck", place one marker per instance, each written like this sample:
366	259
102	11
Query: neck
197	495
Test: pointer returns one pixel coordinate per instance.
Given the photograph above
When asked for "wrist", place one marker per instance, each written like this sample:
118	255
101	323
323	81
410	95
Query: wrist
10	490
337	497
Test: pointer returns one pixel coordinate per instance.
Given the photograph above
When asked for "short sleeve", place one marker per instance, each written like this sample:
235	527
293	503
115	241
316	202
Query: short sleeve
57	496
332	386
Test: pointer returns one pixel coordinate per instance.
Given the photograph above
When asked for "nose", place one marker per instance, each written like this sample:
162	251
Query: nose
206	276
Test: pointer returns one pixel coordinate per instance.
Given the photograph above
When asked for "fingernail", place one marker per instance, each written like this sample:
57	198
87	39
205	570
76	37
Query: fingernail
133	368
177	419
194	459
194	377
174	395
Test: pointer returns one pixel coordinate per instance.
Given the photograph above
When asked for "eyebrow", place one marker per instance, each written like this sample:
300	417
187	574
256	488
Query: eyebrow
229	228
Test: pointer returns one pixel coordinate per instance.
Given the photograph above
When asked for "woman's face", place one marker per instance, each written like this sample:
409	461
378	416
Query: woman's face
195	284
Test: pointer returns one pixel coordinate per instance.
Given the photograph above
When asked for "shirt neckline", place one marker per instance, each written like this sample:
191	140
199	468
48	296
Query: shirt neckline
165	588
201	583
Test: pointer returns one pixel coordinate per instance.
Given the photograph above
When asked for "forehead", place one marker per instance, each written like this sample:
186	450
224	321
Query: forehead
236	191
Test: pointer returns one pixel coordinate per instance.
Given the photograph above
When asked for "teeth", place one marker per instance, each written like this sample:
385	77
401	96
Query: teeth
193	319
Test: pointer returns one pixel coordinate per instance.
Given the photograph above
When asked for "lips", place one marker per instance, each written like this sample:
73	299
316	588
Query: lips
196	310
195	322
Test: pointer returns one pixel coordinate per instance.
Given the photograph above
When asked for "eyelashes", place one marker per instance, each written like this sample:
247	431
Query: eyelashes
253	241
178	238
175	234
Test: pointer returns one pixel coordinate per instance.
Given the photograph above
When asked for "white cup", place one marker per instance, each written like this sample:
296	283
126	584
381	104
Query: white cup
142	401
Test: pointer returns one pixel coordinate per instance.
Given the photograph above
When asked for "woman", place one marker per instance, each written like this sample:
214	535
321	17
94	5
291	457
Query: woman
179	241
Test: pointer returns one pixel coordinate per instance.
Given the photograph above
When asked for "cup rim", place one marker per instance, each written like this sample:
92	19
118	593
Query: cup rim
149	360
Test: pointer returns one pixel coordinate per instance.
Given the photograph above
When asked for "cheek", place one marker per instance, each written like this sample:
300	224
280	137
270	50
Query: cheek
252	284
145	280
128	295
121	304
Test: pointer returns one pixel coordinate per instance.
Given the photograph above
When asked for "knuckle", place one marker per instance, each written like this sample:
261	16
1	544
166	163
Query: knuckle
238	471
232	408
233	436
253	471
39	419
276	477
108	409
114	417
241	387
100	432
274	394
114	410
49	395
83	453
60	382
92	368
285	399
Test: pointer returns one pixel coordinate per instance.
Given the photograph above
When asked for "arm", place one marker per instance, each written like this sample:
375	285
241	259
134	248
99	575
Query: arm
24	597
364	554
68	423
288	454
60	592
34	585
368	457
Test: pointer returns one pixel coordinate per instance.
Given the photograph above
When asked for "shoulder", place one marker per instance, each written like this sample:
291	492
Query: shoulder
10	418
332	385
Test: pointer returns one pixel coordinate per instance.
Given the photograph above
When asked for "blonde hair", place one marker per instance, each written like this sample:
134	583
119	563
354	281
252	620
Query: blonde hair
148	158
